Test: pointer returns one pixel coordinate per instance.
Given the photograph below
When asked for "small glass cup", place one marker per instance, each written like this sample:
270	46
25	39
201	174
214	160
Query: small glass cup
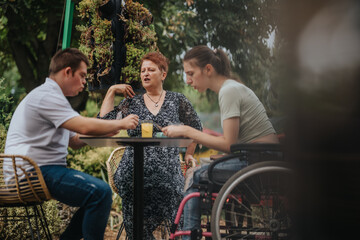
146	128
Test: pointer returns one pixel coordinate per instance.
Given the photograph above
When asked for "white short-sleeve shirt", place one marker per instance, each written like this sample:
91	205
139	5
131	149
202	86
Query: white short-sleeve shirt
35	126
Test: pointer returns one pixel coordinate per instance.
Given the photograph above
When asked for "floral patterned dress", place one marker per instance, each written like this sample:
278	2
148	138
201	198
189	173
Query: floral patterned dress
163	179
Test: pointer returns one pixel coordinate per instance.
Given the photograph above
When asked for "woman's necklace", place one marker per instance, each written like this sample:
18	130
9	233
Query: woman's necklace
156	103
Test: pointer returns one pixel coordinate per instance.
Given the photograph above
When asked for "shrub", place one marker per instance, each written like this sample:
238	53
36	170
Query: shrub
5	114
13	230
97	41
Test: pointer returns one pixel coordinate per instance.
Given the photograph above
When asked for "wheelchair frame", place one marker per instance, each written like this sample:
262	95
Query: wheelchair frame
245	191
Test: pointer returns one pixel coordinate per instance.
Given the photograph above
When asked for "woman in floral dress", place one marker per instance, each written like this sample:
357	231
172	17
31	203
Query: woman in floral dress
163	179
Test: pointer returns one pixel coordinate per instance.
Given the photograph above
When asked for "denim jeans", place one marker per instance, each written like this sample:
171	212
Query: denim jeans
192	213
78	189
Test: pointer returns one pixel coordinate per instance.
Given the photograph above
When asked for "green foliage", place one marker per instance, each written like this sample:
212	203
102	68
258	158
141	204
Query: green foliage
29	36
130	72
10	86
92	107
140	38
5	53
97	39
5	106
2	138
13	230
172	21
89	160
202	102
5	114
241	28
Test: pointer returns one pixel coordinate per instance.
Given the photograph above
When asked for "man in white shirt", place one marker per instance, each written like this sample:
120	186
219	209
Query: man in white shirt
44	125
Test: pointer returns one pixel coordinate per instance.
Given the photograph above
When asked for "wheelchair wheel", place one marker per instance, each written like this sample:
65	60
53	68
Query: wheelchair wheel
253	204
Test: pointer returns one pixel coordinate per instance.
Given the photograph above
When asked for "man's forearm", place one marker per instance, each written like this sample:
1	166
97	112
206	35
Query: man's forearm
92	126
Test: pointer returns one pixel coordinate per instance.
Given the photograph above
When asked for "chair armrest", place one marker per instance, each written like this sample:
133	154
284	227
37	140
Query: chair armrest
251	152
21	181
217	161
276	147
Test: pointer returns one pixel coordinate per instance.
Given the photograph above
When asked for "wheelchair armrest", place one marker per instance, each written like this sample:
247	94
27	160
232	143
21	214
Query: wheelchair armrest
251	152
276	147
214	163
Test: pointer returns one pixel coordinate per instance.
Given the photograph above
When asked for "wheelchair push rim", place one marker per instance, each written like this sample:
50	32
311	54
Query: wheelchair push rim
253	204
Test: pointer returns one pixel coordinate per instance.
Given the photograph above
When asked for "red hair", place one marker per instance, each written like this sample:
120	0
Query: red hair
156	57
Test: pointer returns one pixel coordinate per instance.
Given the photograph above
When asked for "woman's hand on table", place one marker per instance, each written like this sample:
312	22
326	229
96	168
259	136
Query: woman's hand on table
174	130
124	89
130	122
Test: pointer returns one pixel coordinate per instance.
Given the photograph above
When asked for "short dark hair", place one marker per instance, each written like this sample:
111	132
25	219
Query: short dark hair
156	57
69	57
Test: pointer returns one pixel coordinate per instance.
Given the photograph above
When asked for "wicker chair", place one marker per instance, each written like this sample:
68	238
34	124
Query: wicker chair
112	164
22	185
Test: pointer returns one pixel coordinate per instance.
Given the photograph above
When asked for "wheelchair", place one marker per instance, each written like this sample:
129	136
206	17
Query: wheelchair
252	203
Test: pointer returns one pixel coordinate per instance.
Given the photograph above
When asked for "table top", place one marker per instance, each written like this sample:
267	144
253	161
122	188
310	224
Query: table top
121	141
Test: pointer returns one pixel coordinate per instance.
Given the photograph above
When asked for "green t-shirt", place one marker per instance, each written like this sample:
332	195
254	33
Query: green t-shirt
237	100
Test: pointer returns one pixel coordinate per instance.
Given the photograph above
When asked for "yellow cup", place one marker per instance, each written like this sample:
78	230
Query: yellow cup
146	129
